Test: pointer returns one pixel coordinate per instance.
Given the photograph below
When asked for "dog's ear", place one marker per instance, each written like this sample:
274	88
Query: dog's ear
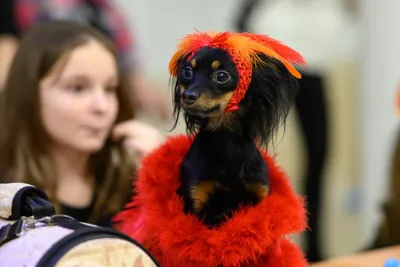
174	84
271	94
272	76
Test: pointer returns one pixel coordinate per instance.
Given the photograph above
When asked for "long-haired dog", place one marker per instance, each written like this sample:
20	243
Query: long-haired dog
235	91
213	197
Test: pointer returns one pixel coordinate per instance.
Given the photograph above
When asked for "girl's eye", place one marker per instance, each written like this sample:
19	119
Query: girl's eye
76	88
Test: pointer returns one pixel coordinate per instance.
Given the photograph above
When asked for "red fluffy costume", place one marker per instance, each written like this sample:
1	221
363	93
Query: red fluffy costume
254	236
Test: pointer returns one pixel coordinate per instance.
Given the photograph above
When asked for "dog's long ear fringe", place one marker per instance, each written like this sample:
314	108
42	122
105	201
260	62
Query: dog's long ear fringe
175	100
192	123
273	90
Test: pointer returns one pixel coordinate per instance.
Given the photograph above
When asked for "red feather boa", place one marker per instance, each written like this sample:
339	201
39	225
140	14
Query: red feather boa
254	236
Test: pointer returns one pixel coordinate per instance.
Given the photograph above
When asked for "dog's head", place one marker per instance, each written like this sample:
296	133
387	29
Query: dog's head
222	77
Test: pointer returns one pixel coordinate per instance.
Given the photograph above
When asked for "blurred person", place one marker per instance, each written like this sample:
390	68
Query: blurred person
388	233
16	16
67	125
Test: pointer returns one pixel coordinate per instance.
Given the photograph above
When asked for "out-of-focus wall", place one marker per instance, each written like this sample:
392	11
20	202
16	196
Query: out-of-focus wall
159	24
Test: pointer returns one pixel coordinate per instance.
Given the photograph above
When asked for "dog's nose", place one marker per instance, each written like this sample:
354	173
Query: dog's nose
189	97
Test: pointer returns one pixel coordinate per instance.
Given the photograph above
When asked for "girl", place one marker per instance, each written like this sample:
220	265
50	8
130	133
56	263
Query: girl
66	122
17	16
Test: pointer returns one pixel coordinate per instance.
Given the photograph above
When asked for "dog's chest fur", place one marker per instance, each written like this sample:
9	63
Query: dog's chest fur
221	172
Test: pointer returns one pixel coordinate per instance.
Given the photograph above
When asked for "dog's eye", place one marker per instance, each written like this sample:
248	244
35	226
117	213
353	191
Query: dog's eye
187	73
221	77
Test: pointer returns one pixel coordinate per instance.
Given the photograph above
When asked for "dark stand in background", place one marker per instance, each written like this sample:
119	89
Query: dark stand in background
312	113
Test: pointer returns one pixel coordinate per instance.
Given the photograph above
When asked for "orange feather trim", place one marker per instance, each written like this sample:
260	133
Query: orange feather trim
246	45
254	236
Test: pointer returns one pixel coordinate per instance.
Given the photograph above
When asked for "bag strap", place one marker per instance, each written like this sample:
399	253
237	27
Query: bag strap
19	199
12	231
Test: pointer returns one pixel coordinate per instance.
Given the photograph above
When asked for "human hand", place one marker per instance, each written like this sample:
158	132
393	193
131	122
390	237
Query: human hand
139	138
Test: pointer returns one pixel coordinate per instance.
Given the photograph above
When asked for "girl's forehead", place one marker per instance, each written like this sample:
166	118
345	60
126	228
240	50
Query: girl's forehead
91	59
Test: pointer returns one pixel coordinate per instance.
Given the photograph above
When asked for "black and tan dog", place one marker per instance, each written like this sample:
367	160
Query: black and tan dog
223	168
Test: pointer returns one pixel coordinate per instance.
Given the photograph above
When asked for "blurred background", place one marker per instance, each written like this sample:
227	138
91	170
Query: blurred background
340	139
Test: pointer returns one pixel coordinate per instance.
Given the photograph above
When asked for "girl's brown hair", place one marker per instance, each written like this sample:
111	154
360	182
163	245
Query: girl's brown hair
24	147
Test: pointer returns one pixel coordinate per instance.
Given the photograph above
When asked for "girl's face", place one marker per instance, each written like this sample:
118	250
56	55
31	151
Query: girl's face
78	98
